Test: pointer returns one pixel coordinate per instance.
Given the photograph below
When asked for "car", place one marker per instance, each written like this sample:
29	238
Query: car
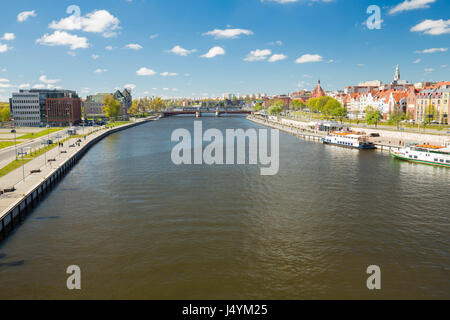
49	142
374	135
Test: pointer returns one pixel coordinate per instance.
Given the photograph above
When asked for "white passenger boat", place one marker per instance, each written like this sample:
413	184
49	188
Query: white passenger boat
348	139
427	154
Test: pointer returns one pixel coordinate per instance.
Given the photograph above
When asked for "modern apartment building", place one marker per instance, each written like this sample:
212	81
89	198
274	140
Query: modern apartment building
94	107
433	104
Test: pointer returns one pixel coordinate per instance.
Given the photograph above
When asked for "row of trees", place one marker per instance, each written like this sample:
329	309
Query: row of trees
4	113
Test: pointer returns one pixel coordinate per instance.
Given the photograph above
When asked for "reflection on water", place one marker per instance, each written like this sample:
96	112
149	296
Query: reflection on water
140	227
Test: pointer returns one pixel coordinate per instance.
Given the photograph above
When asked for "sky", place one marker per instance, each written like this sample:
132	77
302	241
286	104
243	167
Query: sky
204	48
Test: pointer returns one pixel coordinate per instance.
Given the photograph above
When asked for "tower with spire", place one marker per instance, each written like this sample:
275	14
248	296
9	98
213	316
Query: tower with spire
397	74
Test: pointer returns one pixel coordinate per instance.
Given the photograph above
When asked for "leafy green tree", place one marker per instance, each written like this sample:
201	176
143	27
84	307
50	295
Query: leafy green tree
335	109
430	113
396	116
275	109
298	105
111	107
158	104
4	114
258	107
373	116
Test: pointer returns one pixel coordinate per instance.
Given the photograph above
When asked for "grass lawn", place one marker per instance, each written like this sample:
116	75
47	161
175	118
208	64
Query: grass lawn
5	144
18	163
40	133
117	123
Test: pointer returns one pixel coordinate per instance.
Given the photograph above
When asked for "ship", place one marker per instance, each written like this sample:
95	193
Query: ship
349	140
425	153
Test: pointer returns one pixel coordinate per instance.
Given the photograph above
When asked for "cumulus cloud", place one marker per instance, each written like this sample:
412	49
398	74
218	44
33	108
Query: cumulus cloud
258	55
181	51
95	56
62	38
433	50
133	46
277	57
100	70
4	48
433	27
130	86
23	16
8	36
213	52
307	58
98	21
417	61
411	5
45	80
145	72
228	33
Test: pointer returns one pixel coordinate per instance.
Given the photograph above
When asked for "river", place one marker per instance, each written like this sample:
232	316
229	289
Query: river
140	227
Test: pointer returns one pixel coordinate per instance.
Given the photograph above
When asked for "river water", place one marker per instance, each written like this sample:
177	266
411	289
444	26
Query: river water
140	227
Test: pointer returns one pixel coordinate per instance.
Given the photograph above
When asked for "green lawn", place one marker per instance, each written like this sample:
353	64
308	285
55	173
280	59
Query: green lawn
41	133
5	144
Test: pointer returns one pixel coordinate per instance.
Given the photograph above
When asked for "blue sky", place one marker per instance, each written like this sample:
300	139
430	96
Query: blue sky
161	47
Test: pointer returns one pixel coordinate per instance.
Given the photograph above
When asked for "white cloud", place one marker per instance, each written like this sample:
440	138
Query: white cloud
228	33
109	48
433	27
23	16
411	5
95	56
428	70
145	72
213	52
133	46
417	61
181	51
62	38
444	66
8	36
277	57
4	80
433	50
24	85
169	74
4	48
278	43
130	86
71	53
361	65
100	70
98	21
48	81
258	55
292	1
306	58
154	36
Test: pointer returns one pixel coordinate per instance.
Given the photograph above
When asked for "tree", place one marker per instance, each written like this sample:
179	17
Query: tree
4	114
258	107
335	109
275	109
111	107
298	105
373	116
134	109
430	113
158	104
396	116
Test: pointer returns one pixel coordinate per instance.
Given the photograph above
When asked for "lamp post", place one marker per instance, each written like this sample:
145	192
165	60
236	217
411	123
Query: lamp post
15	144
48	132
22	153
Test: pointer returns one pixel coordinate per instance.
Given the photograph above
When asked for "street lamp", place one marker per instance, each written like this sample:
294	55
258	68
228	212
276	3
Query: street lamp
48	132
22	153
15	145
45	152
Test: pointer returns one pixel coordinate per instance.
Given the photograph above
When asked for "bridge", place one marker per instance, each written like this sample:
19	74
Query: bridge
198	113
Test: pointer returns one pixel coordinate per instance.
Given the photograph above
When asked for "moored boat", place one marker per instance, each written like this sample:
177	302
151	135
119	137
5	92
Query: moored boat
349	139
426	154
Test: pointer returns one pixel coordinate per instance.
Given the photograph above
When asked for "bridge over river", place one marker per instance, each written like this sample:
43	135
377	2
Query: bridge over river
198	113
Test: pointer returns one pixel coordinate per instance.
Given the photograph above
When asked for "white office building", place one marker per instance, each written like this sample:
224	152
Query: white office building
25	109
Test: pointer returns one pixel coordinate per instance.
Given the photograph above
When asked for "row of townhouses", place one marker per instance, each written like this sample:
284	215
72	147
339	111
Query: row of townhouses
94	108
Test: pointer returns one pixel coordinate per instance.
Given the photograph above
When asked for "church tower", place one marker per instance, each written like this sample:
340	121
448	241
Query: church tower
397	74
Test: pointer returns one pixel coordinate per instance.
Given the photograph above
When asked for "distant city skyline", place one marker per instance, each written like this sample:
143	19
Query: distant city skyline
207	48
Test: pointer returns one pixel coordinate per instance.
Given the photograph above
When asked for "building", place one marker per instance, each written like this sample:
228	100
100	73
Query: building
318	91
25	109
29	107
63	112
125	99
433	103
94	107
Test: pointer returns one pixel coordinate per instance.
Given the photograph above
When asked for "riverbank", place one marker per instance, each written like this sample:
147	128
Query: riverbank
387	139
24	193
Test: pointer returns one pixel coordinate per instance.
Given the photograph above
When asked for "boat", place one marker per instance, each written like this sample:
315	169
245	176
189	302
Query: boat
349	140
425	153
